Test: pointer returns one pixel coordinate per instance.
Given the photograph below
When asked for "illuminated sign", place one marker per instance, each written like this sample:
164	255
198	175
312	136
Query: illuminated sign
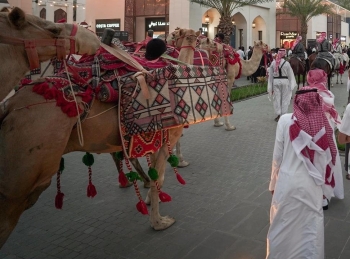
102	24
343	38
288	35
155	24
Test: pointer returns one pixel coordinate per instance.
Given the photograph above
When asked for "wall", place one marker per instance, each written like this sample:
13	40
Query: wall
345	31
25	5
104	9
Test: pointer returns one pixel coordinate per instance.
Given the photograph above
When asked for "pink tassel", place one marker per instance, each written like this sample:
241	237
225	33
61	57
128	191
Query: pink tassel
122	179
91	190
142	207
180	179
59	200
164	197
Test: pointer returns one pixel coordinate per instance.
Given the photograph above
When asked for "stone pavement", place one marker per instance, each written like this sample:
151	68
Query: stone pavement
221	213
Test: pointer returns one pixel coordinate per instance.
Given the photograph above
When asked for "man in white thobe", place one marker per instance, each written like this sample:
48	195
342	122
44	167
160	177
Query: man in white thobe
281	83
303	160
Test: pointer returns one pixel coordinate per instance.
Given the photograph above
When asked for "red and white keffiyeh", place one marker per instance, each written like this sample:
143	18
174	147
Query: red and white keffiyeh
317	78
281	53
298	39
312	137
321	38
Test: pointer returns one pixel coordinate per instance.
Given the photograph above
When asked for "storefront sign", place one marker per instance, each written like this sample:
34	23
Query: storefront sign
102	24
155	24
204	30
288	35
343	38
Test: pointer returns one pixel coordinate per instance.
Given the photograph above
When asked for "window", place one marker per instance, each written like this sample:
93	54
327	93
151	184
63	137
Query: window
259	35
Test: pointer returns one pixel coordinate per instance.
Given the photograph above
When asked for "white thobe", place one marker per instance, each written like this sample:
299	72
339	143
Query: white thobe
296	215
338	190
345	124
281	88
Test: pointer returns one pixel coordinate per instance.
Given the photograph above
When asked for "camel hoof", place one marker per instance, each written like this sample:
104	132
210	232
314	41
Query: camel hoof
219	124
146	185
126	186
183	163
163	223
230	128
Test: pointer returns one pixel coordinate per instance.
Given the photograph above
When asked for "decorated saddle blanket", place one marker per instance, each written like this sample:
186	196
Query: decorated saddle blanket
180	95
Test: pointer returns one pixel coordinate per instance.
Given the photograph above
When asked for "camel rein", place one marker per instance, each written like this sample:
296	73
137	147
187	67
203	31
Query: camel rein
30	45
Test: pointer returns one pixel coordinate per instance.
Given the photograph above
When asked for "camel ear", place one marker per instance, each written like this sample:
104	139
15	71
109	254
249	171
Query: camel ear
198	33
254	43
181	32
17	17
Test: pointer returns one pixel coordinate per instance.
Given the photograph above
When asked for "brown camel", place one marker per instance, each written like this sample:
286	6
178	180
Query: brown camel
247	68
33	139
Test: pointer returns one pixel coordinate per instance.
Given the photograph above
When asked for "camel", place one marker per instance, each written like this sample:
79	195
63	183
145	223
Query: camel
243	67
35	133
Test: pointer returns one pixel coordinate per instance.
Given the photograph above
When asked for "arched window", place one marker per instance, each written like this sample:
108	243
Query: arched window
43	13
60	15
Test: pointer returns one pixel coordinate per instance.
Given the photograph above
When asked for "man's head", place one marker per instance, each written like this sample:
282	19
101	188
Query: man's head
316	76
220	36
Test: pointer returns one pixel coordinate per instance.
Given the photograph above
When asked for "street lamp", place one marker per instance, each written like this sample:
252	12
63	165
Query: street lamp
233	21
253	24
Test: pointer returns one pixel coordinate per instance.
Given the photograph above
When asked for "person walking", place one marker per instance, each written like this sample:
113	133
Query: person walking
281	83
317	79
303	158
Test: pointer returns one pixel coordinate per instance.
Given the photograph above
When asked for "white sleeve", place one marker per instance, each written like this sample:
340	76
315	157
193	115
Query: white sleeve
291	77
270	79
345	123
277	154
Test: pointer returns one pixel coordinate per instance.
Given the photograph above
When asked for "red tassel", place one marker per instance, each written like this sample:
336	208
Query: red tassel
59	200
122	179
91	190
41	88
186	126
142	207
164	197
180	179
50	94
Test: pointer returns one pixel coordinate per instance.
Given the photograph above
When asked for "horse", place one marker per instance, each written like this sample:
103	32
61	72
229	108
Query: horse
299	68
37	133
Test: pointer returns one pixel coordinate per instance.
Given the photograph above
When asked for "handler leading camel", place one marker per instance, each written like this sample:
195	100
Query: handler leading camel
281	83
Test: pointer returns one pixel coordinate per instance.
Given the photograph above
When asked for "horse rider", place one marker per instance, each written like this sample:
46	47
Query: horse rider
324	47
338	51
298	50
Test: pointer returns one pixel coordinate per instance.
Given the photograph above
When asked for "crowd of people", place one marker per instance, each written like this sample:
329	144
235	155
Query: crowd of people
306	168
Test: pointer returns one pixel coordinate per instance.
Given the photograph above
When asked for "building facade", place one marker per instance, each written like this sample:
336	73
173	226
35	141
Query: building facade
335	26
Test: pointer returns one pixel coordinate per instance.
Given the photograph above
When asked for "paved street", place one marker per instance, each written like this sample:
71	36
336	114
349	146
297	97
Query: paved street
221	213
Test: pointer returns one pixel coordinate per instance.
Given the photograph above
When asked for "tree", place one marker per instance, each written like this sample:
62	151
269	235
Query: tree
304	10
225	9
343	3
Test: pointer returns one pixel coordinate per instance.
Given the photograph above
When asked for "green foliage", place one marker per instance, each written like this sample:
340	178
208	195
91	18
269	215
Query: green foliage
343	3
244	92
306	9
225	9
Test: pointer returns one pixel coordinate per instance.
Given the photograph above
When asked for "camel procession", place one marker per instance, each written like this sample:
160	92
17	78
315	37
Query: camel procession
81	98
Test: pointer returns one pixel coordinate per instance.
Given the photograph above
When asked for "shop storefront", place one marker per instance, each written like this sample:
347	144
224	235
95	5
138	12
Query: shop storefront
157	25
343	40
287	39
102	24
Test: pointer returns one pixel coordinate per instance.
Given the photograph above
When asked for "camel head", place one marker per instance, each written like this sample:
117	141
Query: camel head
182	37
261	45
42	36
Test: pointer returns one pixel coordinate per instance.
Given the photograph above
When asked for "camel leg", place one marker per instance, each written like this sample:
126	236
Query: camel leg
182	162
157	221
218	123
228	125
146	181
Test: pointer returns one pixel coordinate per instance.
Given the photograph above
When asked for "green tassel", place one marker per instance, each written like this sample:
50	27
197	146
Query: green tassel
88	159
119	155
61	165
173	161
133	176
153	173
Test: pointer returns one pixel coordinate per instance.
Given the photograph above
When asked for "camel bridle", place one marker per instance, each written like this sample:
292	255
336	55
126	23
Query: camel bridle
30	45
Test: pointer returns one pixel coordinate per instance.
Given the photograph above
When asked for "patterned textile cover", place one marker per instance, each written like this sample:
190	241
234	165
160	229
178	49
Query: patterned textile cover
200	57
180	95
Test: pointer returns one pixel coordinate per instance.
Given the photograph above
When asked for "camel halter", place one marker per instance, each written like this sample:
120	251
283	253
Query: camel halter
30	44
